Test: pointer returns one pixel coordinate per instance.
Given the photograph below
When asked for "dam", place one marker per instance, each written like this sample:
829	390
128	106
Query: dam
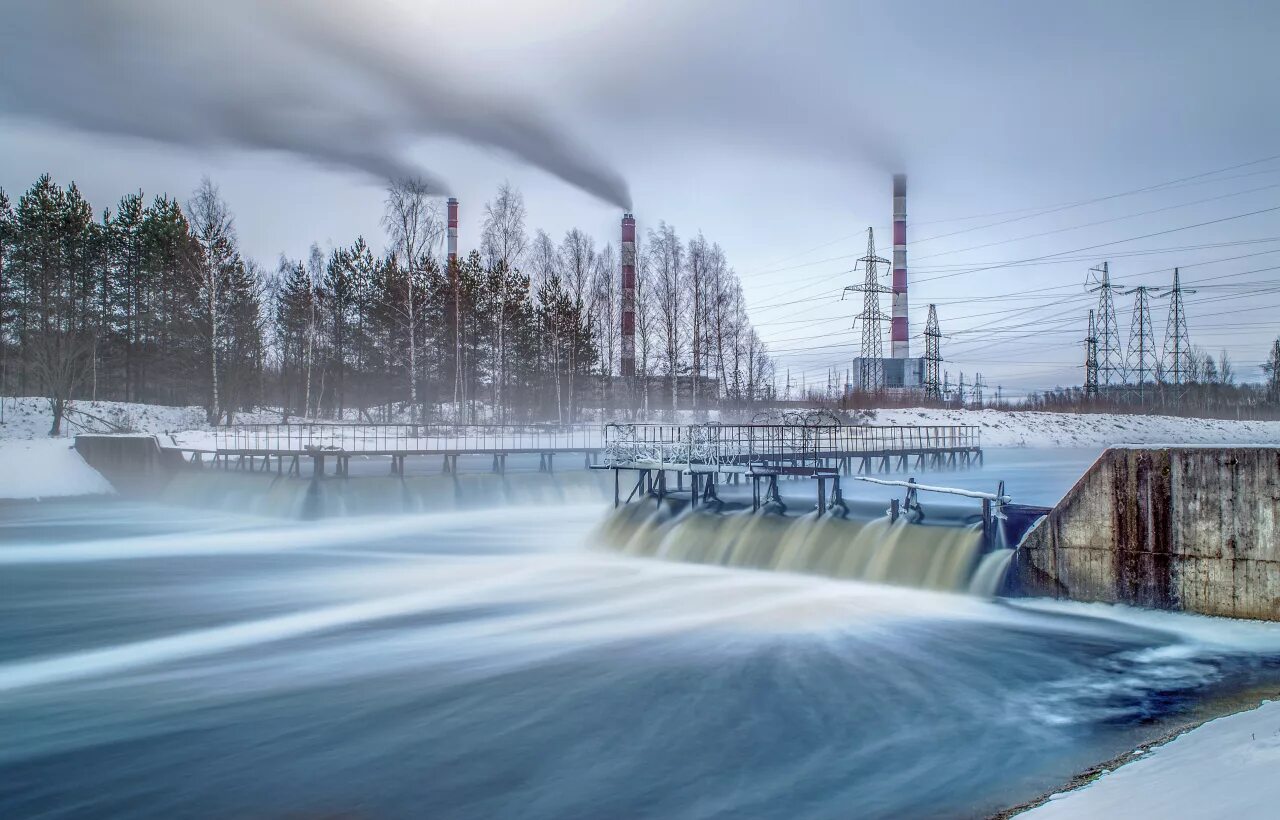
1188	529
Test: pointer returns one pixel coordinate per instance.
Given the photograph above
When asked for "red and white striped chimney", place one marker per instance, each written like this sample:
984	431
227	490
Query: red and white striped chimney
453	229
628	296
900	333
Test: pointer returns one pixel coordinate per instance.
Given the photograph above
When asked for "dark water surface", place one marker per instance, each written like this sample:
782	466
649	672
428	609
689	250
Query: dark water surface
159	662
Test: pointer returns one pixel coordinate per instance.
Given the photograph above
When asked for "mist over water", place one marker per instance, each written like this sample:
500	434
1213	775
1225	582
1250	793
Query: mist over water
160	661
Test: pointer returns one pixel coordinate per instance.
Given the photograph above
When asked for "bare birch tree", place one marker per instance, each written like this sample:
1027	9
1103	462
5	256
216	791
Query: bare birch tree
578	264
504	243
607	299
666	264
415	224
214	229
646	337
315	271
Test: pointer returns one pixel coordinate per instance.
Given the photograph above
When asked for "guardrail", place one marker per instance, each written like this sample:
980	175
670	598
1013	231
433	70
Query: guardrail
800	445
705	444
406	438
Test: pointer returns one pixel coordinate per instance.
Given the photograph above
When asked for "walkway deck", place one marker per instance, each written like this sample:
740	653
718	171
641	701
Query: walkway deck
716	449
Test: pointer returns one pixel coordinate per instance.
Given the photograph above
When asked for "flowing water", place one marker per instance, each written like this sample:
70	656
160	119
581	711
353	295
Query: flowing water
946	558
464	662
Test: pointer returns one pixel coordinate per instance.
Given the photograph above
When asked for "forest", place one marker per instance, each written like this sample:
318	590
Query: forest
154	301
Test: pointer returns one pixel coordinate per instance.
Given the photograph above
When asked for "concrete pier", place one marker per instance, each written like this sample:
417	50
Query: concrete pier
1187	529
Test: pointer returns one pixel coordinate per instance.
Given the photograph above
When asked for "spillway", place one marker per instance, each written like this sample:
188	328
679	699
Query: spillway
947	558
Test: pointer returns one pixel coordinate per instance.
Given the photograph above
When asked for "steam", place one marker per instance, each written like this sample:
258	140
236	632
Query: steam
301	78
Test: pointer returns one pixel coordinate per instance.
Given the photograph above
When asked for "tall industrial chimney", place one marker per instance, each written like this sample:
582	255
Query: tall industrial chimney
628	296
453	229
900	332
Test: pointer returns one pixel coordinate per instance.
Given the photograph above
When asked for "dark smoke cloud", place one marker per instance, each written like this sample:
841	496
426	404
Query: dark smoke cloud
301	78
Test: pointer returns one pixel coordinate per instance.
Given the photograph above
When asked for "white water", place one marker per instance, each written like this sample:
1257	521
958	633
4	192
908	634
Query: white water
900	553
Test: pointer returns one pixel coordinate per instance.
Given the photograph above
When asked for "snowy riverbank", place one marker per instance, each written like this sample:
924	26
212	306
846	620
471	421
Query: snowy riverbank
1223	768
28	418
46	469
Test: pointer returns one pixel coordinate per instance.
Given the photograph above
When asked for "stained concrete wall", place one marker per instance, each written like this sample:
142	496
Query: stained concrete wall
1191	529
134	464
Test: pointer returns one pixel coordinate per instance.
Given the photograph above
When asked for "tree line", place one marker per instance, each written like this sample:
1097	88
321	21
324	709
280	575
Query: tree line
154	301
1209	388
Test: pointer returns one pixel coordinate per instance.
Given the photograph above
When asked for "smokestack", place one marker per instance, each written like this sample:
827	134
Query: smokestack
453	229
900	334
628	296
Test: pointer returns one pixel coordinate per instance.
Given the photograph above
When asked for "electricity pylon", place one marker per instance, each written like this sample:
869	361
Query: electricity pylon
1111	368
932	356
871	367
1142	360
1177	342
1091	360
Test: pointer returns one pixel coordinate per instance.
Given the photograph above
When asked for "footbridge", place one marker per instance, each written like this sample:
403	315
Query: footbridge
763	453
720	450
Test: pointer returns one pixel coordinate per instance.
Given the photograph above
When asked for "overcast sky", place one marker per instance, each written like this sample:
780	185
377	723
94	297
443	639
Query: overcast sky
771	127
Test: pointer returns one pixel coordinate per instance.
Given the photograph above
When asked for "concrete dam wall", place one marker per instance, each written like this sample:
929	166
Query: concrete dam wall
1190	529
134	464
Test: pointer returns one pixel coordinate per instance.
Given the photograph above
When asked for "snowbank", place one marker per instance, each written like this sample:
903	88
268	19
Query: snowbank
46	469
1225	768
28	418
1022	428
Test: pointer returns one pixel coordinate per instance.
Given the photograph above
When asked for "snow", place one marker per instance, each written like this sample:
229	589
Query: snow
1024	428
46	469
28	418
1224	768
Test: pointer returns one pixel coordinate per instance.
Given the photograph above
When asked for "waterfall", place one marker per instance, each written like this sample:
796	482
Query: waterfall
947	558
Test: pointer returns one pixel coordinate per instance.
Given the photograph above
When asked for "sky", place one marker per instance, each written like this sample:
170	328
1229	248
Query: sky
1039	140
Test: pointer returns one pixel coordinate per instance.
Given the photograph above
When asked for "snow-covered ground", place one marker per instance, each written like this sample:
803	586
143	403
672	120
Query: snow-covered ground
1021	428
27	418
46	469
1225	768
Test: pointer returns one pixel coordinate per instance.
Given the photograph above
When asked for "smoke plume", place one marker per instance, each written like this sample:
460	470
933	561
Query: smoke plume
301	78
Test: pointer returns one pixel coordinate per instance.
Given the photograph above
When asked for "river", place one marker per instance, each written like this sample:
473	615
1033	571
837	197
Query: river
160	661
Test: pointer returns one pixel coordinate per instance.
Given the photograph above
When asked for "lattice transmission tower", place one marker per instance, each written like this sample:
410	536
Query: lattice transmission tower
933	356
978	385
1177	342
1111	368
1142	362
871	366
1091	359
960	391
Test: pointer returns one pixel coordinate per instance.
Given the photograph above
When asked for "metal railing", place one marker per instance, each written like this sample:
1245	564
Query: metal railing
801	445
407	438
709	444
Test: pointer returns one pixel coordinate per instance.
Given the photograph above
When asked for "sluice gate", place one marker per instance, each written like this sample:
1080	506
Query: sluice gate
925	545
